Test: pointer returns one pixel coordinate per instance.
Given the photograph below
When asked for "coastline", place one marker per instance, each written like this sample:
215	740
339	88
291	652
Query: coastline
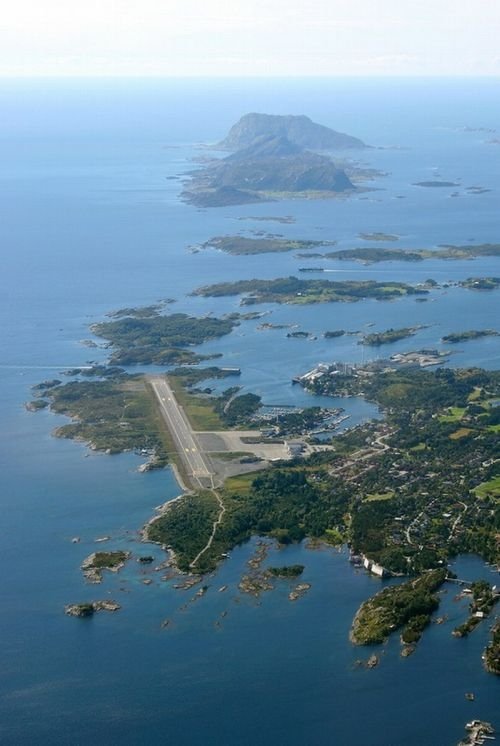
160	510
352	634
178	477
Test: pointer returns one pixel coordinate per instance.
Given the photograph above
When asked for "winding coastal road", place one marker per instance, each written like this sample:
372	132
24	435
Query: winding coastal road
180	429
216	524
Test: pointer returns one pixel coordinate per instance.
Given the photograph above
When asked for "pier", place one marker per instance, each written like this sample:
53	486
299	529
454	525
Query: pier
479	731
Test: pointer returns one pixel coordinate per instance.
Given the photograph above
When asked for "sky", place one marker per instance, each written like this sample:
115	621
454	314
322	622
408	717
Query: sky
222	38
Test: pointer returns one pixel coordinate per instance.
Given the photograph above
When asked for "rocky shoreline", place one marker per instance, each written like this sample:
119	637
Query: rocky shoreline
94	565
88	609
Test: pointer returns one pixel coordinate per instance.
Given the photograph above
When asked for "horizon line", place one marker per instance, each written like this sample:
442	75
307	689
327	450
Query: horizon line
333	76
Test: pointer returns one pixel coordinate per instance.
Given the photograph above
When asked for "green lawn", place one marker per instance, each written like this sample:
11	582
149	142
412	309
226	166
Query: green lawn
475	395
332	536
198	409
419	447
455	414
380	496
488	488
240	484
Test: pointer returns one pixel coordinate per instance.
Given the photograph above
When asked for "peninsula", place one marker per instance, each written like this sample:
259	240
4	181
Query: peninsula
408	605
112	415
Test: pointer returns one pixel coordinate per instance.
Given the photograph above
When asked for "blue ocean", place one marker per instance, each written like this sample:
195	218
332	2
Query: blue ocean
91	222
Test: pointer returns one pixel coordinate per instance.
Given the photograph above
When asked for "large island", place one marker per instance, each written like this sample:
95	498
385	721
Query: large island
274	157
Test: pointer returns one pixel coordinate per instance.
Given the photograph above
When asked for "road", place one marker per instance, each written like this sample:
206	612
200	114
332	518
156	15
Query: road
458	520
180	429
216	524
362	455
414	523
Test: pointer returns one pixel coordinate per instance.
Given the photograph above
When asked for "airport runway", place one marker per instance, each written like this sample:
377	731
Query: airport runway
180	429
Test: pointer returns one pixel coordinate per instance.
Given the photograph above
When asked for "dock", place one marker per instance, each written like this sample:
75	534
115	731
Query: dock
479	732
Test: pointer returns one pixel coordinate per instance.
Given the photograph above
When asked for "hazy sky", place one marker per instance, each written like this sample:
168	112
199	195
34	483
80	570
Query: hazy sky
251	37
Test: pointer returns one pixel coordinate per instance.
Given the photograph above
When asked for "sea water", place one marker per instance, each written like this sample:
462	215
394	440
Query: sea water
90	223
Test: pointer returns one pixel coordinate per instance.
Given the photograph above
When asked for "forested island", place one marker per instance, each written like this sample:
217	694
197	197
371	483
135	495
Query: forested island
288	571
95	564
457	337
302	291
480	283
378	236
160	339
333	334
243	245
436	183
390	335
373	254
294	290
